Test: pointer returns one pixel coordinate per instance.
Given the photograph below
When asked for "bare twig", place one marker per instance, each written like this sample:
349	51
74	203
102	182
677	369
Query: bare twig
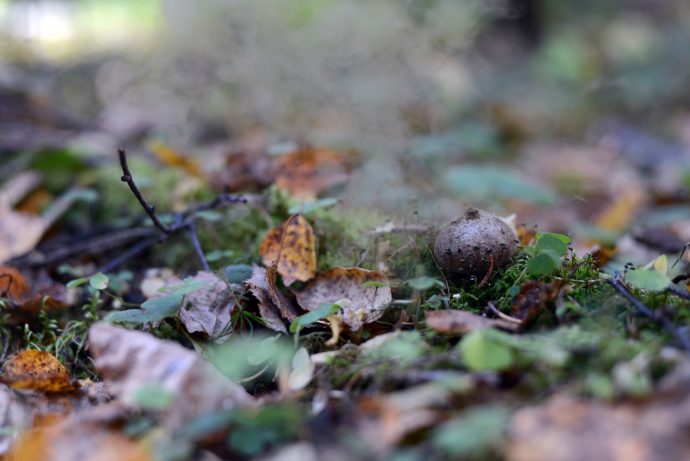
180	221
644	310
678	292
494	310
150	209
197	245
129	253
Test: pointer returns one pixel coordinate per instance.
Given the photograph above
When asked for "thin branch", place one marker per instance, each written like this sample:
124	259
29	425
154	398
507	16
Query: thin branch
678	292
646	311
150	209
197	245
127	254
180	221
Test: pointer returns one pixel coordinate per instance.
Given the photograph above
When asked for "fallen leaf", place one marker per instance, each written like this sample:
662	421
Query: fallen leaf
21	410
292	246
481	352
308	172
387	419
128	360
566	428
15	413
245	171
457	322
346	286
20	231
208	310
618	215
25	299
533	299
12	283
258	286
74	440
170	157
302	370
38	371
285	305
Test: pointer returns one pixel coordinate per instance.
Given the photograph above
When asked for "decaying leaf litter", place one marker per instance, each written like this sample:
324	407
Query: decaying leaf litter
156	307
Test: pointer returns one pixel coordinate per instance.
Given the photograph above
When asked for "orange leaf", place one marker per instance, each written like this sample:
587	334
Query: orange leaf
12	283
618	214
38	371
308	172
71	440
171	157
293	250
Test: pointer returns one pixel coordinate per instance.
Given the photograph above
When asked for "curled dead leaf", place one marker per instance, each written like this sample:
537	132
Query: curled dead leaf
362	294
12	283
38	371
31	299
456	322
207	310
258	286
130	361
20	231
533	299
308	172
292	247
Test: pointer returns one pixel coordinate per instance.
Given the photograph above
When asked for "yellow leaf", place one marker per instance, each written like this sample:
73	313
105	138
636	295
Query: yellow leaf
661	264
38	371
292	247
171	157
618	214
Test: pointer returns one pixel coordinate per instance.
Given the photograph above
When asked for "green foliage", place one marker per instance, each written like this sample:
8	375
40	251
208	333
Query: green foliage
317	314
487	182
237	273
548	251
157	309
253	431
648	279
243	356
402	349
473	433
481	352
424	283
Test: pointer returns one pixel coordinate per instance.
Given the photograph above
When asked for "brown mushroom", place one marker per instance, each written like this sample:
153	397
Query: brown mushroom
469	246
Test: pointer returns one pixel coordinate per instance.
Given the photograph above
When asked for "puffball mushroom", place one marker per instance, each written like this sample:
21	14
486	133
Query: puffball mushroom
466	247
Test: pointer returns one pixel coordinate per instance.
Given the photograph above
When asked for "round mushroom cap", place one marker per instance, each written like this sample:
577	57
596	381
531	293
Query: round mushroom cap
468	246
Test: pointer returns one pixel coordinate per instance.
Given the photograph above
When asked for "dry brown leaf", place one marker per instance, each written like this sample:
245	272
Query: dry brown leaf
208	310
38	371
43	294
308	172
293	247
387	419
12	283
568	429
362	294
456	322
128	360
74	440
285	305
20	410
20	231
258	286
533	299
